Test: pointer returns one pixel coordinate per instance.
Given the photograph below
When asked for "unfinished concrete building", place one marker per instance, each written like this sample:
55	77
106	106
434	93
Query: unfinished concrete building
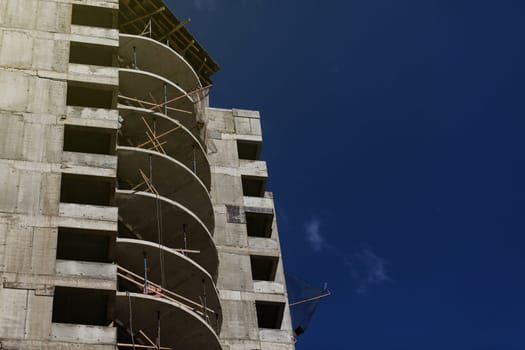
132	214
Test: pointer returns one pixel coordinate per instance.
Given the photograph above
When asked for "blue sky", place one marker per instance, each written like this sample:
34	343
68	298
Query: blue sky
394	135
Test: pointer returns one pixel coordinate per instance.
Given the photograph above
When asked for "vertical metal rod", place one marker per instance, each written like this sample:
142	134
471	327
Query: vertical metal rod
194	161
131	321
205	301
185	238
134	57
145	291
158	330
165	99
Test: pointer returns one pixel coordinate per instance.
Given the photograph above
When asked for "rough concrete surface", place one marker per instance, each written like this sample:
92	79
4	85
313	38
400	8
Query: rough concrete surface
57	206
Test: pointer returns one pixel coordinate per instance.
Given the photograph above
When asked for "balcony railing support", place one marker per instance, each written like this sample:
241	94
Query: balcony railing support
135	57
162	292
185	239
165	99
194	161
145	274
205	301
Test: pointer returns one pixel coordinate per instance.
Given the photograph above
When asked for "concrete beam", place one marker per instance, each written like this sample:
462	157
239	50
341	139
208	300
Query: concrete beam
93	74
85	269
258	202
74	333
253	168
89	164
94	35
91	117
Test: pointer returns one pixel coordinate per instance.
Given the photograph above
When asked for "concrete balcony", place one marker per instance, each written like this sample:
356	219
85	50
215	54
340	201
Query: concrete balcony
139	219
178	278
154	57
262	204
169	177
255	168
140	88
180	327
177	141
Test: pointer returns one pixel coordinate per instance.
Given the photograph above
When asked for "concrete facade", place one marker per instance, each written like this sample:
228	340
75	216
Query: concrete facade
250	269
132	213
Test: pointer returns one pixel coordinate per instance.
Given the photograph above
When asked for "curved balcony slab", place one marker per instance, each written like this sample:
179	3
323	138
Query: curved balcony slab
181	274
138	212
171	179
155	57
180	328
149	87
180	144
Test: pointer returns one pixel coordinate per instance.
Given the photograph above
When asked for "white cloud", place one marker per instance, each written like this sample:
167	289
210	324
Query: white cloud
205	5
367	269
313	234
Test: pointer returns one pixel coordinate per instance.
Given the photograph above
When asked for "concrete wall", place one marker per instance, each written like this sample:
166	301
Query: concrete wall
237	288
34	70
35	38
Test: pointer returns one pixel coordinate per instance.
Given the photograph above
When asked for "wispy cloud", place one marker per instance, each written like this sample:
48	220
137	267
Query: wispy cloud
205	5
367	269
313	234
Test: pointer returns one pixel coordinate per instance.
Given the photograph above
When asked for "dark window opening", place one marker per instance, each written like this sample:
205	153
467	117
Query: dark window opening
124	337
263	267
81	306
125	285
259	225
96	55
86	190
253	186
89	96
85	245
269	315
89	140
248	150
94	16
124	231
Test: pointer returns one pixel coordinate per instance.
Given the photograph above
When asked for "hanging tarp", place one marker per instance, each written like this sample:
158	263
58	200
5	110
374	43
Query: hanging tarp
303	299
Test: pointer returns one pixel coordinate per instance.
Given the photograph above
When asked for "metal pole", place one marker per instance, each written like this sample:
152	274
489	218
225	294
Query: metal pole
312	299
145	291
134	57
131	321
205	301
158	330
154	127
185	238
165	99
194	161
